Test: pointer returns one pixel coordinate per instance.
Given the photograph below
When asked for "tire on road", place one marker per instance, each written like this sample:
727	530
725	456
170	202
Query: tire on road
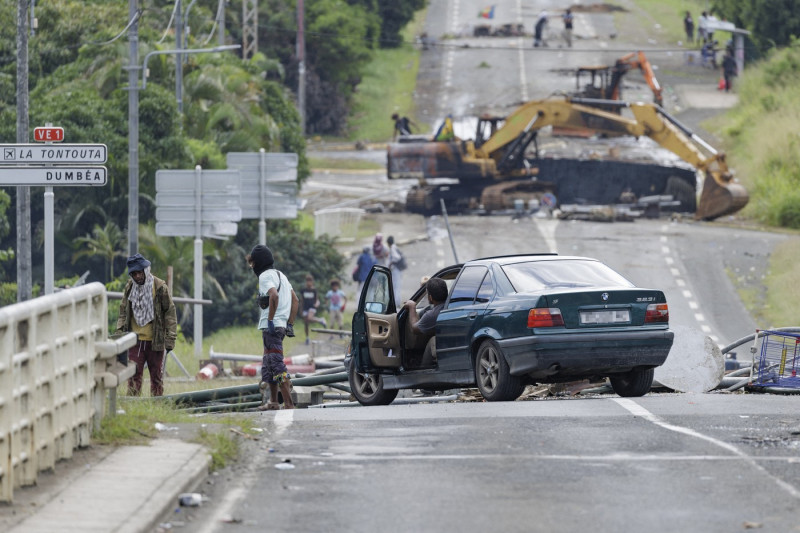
634	383
368	388
682	191
493	376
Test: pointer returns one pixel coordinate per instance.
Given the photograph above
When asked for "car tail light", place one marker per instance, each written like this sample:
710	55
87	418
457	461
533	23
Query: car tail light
545	318
656	313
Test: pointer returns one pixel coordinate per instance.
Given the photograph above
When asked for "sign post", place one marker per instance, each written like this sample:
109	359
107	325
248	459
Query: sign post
269	180
197	203
46	164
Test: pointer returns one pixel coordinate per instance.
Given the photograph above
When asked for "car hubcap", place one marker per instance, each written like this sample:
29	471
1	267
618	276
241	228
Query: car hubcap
367	384
488	370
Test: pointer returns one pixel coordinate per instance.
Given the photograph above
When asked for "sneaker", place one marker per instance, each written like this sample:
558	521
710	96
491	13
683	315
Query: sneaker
290	330
307	341
323	322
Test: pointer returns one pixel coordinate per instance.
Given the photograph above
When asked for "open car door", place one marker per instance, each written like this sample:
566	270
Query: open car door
375	330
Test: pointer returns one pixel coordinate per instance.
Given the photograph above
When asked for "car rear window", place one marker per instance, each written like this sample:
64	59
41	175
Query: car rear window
535	276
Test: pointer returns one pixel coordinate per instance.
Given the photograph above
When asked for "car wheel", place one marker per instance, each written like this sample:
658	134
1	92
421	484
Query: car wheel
493	377
368	388
635	383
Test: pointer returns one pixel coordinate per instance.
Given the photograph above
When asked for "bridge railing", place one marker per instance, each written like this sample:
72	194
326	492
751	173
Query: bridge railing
54	352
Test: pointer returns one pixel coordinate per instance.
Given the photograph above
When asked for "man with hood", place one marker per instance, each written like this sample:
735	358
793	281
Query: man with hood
278	303
147	309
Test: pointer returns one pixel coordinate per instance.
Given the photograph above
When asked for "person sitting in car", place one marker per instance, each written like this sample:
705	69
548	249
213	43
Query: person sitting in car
425	323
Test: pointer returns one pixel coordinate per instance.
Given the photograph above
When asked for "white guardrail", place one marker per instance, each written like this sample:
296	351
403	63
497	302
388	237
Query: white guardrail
54	352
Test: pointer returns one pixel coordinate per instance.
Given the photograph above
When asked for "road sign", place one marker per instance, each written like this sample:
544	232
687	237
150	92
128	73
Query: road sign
176	202
276	166
183	181
49	134
280	200
277	172
217	230
38	154
210	215
53	176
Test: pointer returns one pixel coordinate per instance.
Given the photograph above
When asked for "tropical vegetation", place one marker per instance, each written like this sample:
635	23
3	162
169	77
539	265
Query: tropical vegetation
78	79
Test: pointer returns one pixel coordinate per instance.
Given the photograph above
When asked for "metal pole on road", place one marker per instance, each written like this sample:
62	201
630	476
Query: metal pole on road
449	233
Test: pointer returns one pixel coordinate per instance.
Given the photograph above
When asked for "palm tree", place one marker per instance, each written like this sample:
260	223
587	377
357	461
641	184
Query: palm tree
108	242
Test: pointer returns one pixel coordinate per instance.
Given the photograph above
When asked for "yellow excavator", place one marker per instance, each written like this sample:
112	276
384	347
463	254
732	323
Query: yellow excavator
494	168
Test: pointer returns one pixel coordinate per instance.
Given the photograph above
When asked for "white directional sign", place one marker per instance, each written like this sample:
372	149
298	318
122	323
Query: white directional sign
277	172
53	176
38	154
177	205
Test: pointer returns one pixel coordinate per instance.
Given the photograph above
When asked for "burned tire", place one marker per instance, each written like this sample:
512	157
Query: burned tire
682	191
368	388
634	383
492	375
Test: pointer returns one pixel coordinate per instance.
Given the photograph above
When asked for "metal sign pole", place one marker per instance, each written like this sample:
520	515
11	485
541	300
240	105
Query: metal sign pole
198	261
49	203
262	198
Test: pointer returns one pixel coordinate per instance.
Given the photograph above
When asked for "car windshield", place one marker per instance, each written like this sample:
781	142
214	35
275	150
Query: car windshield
536	276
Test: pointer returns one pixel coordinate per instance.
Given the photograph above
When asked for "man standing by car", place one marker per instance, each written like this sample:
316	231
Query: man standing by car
426	324
147	309
278	303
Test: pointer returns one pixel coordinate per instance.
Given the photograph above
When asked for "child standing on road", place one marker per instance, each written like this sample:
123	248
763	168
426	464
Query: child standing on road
310	305
336	304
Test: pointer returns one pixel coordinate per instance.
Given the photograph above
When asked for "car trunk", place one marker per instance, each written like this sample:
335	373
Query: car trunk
603	308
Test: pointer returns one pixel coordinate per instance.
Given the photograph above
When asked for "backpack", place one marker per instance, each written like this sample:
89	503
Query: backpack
401	264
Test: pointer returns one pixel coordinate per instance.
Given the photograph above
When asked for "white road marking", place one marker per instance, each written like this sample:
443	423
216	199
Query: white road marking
523	80
637	410
690	300
283	419
547	227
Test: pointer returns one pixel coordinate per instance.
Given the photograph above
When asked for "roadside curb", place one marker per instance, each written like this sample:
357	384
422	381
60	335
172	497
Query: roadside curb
111	495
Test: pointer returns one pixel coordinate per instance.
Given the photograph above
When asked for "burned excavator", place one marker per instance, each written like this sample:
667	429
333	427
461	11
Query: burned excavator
605	82
495	168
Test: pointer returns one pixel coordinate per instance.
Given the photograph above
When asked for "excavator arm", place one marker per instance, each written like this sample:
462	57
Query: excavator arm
720	194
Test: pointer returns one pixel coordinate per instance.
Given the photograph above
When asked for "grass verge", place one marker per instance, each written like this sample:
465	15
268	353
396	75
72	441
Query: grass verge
387	87
135	424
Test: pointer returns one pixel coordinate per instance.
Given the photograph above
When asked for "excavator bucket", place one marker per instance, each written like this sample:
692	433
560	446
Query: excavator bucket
720	198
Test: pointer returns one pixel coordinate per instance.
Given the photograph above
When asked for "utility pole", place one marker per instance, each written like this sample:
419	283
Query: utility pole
133	129
24	274
179	58
249	28
301	67
221	22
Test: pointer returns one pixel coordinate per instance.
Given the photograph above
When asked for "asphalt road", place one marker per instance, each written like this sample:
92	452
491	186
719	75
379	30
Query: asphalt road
714	462
708	462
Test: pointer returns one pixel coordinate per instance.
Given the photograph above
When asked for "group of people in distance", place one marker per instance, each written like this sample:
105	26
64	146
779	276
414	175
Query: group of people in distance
708	50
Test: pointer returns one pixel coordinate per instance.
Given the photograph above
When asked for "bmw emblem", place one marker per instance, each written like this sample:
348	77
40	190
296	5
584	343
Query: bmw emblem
604	296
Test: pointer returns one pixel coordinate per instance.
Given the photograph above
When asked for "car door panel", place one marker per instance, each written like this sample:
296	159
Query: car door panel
383	339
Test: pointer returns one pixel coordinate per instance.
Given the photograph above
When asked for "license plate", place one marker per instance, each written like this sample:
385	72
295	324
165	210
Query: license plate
606	316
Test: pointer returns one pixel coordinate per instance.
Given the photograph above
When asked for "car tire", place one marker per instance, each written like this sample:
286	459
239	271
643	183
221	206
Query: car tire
368	388
634	383
493	376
